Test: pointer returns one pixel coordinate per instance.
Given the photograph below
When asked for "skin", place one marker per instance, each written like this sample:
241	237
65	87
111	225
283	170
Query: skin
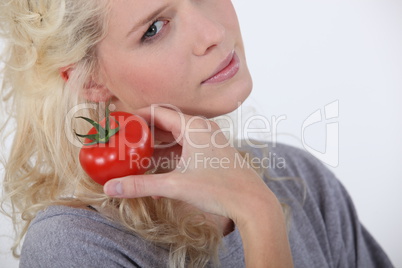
170	68
195	37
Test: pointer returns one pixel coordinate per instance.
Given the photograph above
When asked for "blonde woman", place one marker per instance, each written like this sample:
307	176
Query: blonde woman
65	57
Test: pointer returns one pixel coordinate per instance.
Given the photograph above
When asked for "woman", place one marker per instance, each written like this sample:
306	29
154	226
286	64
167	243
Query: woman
134	54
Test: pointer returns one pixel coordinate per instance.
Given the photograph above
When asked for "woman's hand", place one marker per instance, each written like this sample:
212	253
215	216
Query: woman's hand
212	176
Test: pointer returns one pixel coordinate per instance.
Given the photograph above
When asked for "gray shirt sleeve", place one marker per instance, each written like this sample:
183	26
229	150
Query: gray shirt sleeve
72	240
325	229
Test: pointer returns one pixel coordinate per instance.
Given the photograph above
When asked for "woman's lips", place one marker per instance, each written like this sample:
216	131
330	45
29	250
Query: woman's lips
226	70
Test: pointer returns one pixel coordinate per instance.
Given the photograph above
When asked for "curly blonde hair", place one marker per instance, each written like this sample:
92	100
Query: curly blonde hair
43	36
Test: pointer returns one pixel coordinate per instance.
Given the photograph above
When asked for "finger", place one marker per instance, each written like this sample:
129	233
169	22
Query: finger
171	152
164	160
162	136
139	186
166	119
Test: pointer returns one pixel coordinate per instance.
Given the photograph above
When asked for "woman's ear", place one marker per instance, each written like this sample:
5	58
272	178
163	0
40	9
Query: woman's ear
92	90
66	71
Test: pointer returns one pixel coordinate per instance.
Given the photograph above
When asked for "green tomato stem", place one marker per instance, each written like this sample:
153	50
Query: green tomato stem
103	134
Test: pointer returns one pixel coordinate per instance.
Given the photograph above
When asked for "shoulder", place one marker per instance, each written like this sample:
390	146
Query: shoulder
281	160
60	223
297	177
323	216
71	237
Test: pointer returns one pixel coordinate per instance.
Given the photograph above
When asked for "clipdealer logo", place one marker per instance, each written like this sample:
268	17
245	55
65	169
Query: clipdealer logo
330	156
200	160
235	125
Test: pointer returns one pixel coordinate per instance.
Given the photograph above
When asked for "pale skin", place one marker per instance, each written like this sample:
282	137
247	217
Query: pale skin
183	45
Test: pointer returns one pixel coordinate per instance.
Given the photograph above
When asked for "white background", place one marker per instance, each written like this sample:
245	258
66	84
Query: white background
304	55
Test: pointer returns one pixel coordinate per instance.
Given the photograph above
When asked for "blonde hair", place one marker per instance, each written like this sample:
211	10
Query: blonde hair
43	36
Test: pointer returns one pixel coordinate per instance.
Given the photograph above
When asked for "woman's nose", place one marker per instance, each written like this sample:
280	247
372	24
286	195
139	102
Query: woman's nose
209	33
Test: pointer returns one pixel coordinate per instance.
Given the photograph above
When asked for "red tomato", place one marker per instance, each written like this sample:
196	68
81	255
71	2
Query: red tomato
127	152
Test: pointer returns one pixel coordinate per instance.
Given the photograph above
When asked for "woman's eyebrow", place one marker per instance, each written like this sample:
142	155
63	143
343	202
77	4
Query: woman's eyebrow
147	19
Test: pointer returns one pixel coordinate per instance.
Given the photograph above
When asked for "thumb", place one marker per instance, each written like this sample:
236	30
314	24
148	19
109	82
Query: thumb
139	186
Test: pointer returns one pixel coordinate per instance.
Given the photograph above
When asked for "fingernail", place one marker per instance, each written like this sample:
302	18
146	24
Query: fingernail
114	188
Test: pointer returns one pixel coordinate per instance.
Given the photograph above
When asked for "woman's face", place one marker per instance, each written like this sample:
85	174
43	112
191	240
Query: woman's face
187	53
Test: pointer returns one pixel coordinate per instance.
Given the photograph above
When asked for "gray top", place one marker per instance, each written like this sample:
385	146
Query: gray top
324	228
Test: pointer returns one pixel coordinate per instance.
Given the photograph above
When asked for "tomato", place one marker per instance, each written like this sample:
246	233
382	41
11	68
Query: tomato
120	145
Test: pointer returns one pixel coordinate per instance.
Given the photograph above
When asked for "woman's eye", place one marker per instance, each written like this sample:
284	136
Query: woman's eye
154	29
